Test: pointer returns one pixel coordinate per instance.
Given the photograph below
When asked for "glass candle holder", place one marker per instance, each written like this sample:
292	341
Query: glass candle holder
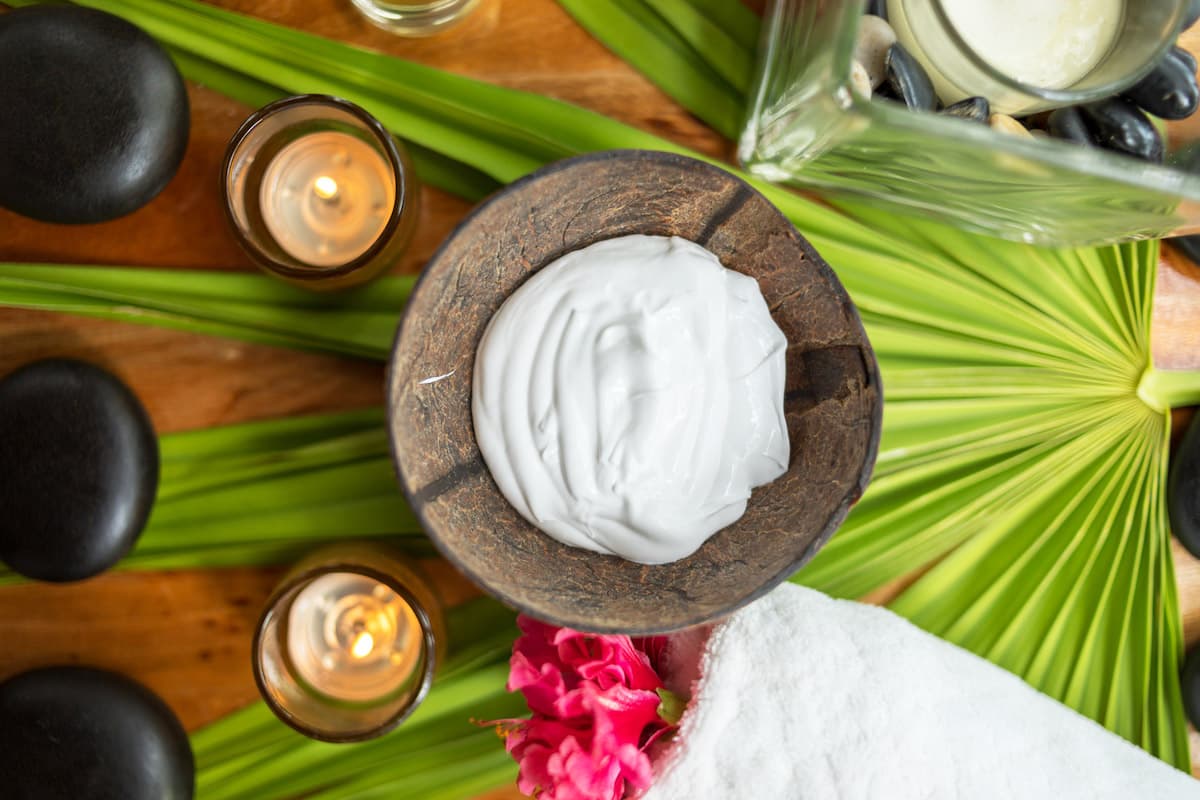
1035	55
319	193
415	18
349	643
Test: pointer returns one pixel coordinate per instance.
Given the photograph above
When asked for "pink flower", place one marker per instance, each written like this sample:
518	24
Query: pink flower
595	702
562	762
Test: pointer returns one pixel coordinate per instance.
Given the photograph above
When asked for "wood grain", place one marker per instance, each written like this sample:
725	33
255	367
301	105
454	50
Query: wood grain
186	634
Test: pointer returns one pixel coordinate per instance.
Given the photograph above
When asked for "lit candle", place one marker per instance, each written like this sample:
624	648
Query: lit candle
1026	55
352	638
326	197
348	643
319	193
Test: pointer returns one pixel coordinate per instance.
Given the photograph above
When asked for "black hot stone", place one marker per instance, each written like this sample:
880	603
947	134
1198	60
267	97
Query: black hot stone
1117	124
78	470
73	733
1189	685
1170	90
908	80
1186	57
95	117
1188	245
1183	489
1192	14
1068	124
976	109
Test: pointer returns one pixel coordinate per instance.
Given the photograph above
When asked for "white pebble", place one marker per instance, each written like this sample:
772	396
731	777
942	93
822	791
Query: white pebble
1006	124
875	36
860	81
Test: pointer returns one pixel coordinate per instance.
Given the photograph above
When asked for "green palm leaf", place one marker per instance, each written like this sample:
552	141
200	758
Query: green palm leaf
1031	477
254	308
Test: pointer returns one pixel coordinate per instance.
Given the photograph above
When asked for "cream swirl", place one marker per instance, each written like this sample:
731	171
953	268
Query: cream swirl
629	396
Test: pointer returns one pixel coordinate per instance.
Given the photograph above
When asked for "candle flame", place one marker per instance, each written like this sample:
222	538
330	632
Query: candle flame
325	187
364	643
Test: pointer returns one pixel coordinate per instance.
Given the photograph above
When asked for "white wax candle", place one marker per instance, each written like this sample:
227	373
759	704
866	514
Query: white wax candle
352	638
326	197
1050	44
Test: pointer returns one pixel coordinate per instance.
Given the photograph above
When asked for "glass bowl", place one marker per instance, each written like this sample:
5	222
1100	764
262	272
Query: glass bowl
807	128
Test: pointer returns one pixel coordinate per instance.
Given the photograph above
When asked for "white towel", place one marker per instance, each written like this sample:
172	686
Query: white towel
806	697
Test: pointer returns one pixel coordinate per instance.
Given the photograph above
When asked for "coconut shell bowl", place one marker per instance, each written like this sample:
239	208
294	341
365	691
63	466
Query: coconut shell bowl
832	403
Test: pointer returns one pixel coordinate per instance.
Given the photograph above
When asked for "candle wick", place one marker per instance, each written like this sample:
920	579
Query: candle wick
326	188
364	643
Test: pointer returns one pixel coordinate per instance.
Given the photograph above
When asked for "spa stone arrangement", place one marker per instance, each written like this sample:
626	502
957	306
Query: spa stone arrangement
635	397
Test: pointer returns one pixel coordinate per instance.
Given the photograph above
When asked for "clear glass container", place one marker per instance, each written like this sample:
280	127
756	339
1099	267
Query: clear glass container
1145	31
349	643
807	128
319	193
417	17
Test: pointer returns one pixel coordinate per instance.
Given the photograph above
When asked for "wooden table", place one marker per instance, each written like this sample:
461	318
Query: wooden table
187	634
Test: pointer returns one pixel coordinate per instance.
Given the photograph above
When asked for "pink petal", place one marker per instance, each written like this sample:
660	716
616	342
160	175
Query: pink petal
536	642
635	766
622	716
542	688
581	777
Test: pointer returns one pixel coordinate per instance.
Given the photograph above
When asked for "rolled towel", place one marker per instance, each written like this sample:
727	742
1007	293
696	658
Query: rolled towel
805	697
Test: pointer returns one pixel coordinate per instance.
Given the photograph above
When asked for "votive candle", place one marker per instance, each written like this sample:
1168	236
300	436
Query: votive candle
351	637
319	193
349	642
325	198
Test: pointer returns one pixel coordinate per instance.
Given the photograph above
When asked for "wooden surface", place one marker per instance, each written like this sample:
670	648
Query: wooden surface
187	634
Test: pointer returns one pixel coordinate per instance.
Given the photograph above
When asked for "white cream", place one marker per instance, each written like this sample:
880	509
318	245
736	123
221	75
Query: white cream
629	396
1050	44
1046	43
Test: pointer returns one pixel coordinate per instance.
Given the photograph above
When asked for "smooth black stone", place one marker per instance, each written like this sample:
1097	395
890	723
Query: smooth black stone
74	733
78	470
1170	90
1188	245
1186	57
909	80
1183	485
1192	14
879	8
976	109
95	119
1189	685
1068	124
1119	125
